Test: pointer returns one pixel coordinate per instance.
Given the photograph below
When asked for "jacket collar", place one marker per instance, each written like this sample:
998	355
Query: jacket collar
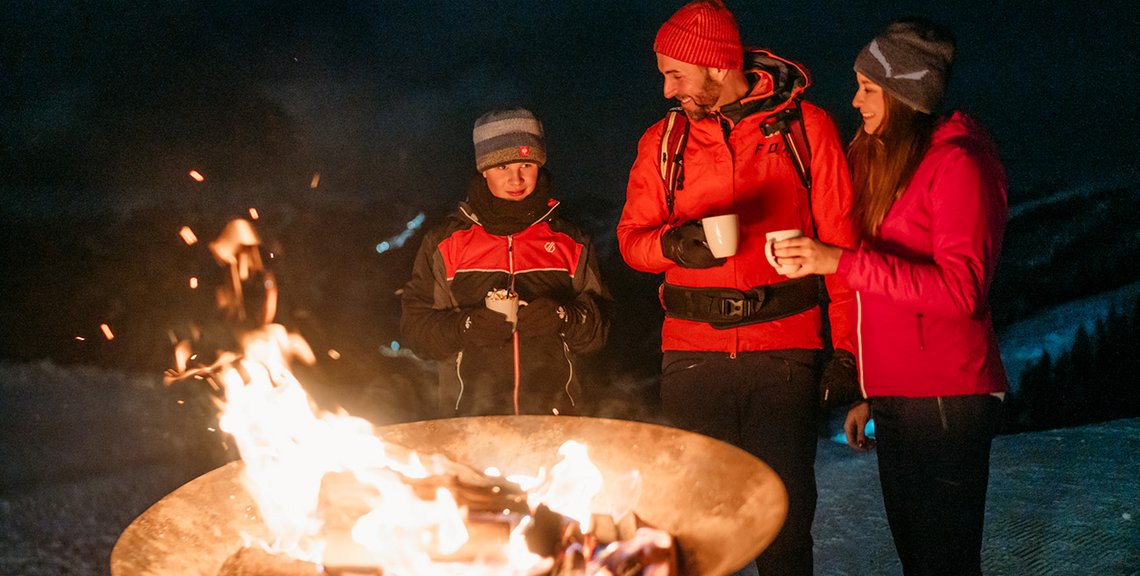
774	84
467	212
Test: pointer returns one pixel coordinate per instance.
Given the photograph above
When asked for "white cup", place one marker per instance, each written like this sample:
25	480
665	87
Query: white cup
508	306
773	237
722	234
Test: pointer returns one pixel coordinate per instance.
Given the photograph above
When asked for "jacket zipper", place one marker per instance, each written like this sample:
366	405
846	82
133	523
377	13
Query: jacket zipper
515	336
921	336
942	415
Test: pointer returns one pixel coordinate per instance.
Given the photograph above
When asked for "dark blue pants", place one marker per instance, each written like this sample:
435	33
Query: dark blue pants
764	403
934	467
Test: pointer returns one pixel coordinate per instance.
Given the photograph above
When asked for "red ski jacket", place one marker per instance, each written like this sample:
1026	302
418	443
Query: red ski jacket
924	318
731	167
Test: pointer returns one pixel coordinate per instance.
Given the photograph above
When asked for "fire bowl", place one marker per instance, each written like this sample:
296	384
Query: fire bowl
722	505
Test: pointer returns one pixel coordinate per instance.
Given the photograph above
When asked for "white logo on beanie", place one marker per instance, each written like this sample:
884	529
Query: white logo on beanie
878	54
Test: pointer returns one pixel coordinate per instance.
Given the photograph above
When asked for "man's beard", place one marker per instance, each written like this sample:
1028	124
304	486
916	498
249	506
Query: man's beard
705	102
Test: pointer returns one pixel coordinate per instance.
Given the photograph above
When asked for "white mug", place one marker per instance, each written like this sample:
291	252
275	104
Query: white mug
722	233
773	237
501	302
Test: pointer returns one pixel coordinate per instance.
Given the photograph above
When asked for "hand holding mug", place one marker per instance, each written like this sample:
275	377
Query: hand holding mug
808	255
503	302
770	239
722	233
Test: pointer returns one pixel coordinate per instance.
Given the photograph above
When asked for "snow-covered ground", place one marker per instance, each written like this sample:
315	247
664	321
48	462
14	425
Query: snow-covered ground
83	452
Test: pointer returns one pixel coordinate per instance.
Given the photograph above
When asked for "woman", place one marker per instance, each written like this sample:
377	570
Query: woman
930	200
506	239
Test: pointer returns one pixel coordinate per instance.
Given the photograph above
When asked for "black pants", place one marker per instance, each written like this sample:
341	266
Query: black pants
764	403
934	467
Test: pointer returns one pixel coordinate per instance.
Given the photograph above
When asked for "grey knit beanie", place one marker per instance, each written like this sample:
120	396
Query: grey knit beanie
911	59
505	136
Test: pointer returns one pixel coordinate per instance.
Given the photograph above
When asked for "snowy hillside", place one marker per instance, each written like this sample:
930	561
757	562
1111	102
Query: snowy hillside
1053	330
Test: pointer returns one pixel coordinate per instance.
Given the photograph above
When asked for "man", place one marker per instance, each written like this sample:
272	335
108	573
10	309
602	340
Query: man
741	342
506	239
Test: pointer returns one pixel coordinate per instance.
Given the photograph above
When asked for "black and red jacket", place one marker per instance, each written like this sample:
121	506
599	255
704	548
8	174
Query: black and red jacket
457	264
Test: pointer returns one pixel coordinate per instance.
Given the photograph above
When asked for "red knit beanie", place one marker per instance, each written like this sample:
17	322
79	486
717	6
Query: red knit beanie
704	33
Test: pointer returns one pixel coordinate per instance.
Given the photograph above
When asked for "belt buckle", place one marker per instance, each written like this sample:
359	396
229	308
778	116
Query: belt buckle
732	308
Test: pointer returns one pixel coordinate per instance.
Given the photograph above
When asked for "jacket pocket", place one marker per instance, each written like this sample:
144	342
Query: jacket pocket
459	376
921	334
569	373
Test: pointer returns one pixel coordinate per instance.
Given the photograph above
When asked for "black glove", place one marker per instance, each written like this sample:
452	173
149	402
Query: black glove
686	245
483	327
543	317
839	384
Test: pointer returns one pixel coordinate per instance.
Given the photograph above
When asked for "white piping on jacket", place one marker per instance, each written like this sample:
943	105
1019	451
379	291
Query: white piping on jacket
859	339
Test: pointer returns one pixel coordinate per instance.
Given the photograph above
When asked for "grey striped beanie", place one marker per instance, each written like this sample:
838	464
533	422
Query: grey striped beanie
505	136
911	59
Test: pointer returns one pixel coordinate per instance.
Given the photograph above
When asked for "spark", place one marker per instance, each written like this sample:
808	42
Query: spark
334	354
107	332
193	282
81	339
253	213
197	175
315	181
188	236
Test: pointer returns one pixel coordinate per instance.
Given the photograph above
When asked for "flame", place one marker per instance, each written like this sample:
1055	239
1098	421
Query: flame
290	448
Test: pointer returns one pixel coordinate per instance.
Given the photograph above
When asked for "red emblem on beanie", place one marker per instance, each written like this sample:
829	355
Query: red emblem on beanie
524	150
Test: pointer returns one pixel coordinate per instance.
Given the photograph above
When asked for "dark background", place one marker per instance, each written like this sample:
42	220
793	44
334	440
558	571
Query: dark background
107	105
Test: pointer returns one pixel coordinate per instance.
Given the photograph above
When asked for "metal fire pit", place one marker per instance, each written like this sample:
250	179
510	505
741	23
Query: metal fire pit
723	505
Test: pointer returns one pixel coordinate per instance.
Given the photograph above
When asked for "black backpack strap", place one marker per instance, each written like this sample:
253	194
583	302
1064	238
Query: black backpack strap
671	160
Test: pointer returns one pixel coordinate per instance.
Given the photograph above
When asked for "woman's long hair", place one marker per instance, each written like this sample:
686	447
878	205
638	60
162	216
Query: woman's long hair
883	163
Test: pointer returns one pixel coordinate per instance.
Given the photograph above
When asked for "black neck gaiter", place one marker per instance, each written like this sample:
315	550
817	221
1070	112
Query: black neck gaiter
504	217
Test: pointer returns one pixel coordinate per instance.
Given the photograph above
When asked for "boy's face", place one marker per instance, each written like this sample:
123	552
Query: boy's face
514	181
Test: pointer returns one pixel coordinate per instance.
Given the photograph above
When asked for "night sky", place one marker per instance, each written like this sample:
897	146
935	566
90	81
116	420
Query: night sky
107	102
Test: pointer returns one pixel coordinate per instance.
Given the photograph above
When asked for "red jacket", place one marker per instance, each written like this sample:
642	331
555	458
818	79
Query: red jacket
924	318
753	176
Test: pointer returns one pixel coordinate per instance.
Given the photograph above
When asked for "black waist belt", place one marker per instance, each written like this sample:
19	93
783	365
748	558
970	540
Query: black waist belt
729	308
